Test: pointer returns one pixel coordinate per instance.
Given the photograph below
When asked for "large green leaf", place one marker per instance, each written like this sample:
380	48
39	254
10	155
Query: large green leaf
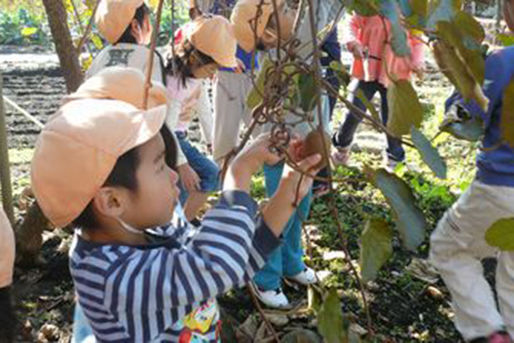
405	109
443	10
507	119
254	98
420	7
469	26
428	153
309	94
501	234
399	43
410	221
466	47
454	67
471	129
376	248
331	323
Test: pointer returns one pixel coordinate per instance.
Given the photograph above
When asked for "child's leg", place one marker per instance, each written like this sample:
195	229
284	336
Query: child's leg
207	171
269	277
505	288
457	246
82	332
292	250
394	145
344	137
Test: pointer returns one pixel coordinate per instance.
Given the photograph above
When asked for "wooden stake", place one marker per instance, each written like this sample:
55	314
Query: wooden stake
148	82
5	174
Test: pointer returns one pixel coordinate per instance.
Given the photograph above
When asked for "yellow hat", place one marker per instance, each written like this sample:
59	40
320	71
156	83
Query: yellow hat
214	36
121	83
114	16
243	18
78	148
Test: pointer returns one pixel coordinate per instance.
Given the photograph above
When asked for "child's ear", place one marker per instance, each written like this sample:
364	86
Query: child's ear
110	202
135	28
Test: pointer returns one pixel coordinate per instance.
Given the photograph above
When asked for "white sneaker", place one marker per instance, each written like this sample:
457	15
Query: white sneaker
341	156
274	298
306	277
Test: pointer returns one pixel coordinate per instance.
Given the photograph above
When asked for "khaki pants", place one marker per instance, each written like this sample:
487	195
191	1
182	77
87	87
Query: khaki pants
457	246
230	92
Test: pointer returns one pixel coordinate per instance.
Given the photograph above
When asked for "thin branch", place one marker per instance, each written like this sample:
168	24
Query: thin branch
88	29
317	78
151	52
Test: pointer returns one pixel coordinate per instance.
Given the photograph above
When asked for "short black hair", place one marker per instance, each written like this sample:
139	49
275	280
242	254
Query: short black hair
124	175
180	66
139	16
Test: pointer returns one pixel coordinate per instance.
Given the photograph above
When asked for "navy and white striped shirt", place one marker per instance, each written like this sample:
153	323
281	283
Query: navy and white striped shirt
165	291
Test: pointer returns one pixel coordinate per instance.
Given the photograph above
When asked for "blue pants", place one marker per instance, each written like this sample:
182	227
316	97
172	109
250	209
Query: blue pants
81	330
207	170
287	259
344	136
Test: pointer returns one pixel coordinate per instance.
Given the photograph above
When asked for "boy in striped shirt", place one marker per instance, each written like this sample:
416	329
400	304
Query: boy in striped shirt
106	167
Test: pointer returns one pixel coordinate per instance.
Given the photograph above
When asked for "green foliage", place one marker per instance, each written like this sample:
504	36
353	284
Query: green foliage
405	111
505	39
363	7
308	92
22	27
331	323
390	9
470	129
410	221
254	98
376	248
507	118
501	234
428	153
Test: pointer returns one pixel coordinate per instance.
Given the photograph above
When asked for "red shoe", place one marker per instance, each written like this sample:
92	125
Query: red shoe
497	337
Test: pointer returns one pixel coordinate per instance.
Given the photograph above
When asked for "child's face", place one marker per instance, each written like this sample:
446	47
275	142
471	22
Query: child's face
142	33
508	12
205	71
157	193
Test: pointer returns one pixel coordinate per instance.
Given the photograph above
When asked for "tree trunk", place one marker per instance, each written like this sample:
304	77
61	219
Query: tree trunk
28	234
68	56
29	238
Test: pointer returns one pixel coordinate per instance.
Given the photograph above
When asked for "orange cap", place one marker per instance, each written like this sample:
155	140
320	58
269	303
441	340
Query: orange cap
78	148
121	83
7	247
243	18
114	16
214	36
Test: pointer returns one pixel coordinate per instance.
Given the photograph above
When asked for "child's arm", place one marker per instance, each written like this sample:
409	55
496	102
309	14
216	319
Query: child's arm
351	40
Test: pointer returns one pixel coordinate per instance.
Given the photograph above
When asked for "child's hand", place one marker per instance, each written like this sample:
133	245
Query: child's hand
189	177
254	155
249	161
357	51
295	184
